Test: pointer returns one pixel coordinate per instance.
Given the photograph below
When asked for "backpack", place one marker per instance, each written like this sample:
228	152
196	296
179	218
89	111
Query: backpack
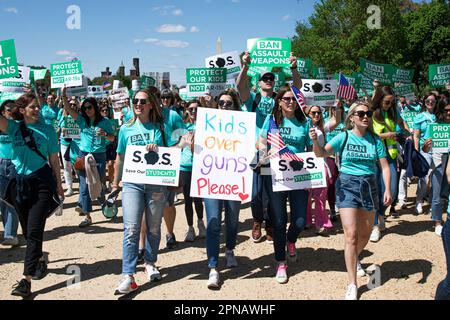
258	98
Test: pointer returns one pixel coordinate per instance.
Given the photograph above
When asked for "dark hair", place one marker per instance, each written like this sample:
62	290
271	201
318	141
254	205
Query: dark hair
98	115
168	93
22	103
4	104
377	101
440	110
425	97
234	96
278	114
186	114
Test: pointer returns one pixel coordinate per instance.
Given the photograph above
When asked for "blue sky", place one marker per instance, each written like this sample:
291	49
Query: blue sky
168	35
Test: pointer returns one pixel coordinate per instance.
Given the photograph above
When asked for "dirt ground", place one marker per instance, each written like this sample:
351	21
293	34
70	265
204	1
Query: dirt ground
410	255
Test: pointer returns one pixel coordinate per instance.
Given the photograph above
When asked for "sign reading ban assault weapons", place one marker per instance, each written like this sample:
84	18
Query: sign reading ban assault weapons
206	80
440	133
270	52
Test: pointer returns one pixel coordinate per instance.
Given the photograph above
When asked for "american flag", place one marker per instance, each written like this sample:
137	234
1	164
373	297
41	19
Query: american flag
346	90
299	97
276	141
106	85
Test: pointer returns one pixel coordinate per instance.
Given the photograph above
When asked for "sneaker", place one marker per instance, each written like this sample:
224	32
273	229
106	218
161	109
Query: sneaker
352	292
291	251
269	234
10	241
69	192
381	223
85	223
22	289
213	280
141	255
171	241
190	235
375	235
256	232
438	230
401	204
322	231
80	211
281	276
419	208
41	270
359	270
231	259
126	285
201	229
394	214
153	273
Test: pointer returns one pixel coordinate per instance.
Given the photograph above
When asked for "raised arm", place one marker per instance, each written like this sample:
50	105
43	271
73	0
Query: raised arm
67	107
242	81
319	151
295	75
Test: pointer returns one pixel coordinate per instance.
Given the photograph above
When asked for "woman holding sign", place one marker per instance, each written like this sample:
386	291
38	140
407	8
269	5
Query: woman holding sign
95	130
357	196
288	119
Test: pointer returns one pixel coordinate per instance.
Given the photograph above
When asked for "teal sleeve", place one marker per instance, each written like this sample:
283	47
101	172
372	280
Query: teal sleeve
381	150
249	102
308	141
13	126
53	141
106	125
265	128
428	133
81	122
417	122
337	142
122	144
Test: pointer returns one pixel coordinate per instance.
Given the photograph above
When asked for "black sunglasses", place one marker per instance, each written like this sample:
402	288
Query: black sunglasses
88	107
267	79
362	114
223	103
8	110
166	98
316	113
104	110
139	101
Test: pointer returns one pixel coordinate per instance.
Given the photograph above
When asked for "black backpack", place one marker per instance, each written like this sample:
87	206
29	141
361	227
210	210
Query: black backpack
258	100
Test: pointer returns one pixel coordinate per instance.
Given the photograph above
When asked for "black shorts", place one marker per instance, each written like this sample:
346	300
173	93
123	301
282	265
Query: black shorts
111	151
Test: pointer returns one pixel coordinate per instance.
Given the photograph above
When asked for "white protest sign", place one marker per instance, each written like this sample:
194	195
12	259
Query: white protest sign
81	91
70	129
223	154
18	83
69	74
119	97
319	92
158	168
230	61
285	178
96	92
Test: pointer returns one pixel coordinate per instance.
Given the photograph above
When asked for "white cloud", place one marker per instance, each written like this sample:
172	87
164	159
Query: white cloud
137	40
171	28
177	12
167	43
65	53
11	10
286	17
163	10
195	29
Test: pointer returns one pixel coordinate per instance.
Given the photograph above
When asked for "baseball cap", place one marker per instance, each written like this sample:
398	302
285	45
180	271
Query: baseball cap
262	74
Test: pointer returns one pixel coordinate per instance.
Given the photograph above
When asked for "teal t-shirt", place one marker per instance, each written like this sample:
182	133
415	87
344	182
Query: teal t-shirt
139	134
173	125
26	160
90	141
294	133
115	126
264	109
360	155
421	123
50	115
5	146
339	129
62	124
127	114
186	154
74	150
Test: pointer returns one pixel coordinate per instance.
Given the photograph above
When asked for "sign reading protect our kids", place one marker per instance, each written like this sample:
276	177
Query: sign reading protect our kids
201	81
223	154
69	74
8	60
149	167
440	134
287	177
439	75
269	52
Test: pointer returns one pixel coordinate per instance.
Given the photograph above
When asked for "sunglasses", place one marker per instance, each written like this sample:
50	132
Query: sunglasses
265	79
362	114
447	110
430	101
166	98
387	101
287	99
8	110
104	110
316	113
192	109
88	107
139	101
223	103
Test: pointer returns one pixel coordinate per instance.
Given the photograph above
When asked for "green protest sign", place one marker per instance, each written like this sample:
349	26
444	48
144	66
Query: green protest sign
206	80
351	78
439	75
9	96
320	73
304	67
69	74
363	84
70	128
403	75
147	81
39	74
440	134
382	72
254	71
406	90
269	52
409	116
8	60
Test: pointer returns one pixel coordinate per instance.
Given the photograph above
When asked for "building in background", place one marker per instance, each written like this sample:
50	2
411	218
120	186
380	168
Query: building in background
121	71
107	73
219	46
162	79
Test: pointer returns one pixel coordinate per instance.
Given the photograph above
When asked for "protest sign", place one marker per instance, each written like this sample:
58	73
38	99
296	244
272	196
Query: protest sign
206	80
408	116
8	60
9	96
304	68
439	75
363	84
230	61
118	97
222	155
269	52
382	72
440	134
69	74
254	71
79	91
405	90
70	129
148	167
403	75
96	92
147	81
320	73
319	92
287	178
16	84
351	78
39	74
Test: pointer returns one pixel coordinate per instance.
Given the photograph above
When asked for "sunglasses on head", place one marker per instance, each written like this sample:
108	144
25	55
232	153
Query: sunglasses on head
362	114
223	103
139	101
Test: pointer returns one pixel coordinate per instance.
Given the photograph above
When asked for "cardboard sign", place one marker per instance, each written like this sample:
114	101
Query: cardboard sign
18	83
8	60
222	155
440	133
320	92
119	97
206	80
439	75
69	74
70	129
270	52
403	75
158	168
230	61
382	72
286	178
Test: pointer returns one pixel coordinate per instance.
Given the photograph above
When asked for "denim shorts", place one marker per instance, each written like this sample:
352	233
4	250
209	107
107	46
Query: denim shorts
357	192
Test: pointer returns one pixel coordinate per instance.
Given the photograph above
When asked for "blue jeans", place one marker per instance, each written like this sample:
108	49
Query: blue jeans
86	201
443	290
423	182
298	200
436	202
136	200
382	188
10	218
214	220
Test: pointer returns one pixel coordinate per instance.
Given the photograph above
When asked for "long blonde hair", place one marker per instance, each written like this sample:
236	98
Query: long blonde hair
351	112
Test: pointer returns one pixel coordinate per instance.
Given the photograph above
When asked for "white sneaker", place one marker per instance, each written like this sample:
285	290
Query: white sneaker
213	280
231	259
438	230
375	235
190	235
13	241
402	204
126	285
359	270
419	209
69	192
352	292
281	276
201	229
153	273
381	223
